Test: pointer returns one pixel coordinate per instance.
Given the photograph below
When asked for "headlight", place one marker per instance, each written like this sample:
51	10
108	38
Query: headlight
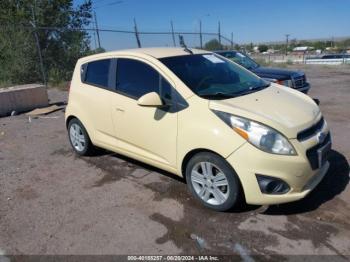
259	135
288	83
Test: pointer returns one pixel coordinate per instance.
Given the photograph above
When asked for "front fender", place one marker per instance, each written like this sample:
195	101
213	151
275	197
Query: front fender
200	128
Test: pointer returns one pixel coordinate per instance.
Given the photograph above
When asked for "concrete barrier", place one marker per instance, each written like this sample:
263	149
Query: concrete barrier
22	98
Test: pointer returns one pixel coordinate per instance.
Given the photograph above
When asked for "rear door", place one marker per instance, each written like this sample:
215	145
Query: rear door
96	95
146	132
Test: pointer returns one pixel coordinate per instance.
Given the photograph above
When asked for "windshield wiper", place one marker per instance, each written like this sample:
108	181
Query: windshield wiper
253	89
262	86
217	95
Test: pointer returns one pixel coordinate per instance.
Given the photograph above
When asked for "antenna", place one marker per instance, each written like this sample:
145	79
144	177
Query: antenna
182	44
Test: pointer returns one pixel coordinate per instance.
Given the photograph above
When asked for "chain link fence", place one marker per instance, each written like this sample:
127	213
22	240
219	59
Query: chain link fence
26	59
116	39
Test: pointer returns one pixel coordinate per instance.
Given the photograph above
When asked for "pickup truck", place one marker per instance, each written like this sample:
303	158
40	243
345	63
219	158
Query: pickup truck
292	79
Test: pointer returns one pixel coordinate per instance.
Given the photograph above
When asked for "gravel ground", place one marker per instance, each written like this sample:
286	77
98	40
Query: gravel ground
53	202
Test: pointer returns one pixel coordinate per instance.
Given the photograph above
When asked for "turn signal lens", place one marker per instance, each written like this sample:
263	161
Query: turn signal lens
241	132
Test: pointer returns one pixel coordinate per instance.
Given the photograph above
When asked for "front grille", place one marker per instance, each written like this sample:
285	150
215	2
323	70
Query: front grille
312	154
309	132
299	81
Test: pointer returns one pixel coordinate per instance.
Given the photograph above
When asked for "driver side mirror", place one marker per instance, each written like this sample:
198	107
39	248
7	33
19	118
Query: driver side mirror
150	99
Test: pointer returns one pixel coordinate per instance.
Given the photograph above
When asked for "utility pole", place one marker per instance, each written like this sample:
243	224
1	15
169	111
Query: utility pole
137	34
97	31
95	40
231	40
219	34
287	39
172	32
33	23
200	34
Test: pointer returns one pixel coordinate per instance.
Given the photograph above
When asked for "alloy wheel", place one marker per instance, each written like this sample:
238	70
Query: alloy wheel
77	137
210	183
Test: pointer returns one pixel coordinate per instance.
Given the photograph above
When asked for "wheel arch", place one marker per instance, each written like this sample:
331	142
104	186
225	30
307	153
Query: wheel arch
190	154
69	118
193	152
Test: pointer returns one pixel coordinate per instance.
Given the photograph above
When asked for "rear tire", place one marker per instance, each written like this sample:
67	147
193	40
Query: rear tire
79	138
213	181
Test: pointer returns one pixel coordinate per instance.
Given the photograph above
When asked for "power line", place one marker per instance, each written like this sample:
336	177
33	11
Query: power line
98	1
109	4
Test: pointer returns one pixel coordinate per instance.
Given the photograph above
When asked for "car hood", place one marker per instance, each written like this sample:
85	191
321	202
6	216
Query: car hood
281	108
276	73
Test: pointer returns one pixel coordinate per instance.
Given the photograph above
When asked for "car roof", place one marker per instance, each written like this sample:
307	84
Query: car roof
156	52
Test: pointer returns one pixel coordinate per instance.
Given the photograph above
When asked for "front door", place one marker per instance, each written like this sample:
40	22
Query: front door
146	132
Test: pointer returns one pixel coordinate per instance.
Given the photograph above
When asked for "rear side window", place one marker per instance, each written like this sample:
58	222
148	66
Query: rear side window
97	73
135	78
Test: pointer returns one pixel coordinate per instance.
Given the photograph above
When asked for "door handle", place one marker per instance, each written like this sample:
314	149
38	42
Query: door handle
119	109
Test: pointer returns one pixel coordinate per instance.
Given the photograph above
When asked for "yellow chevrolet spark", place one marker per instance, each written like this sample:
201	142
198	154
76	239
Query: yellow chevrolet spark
229	133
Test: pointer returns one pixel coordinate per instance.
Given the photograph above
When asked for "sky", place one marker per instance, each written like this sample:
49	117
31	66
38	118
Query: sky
249	21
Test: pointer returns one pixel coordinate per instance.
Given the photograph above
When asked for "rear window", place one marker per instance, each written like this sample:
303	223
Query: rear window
97	73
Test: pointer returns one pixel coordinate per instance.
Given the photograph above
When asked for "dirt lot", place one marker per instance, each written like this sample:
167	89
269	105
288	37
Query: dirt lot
53	202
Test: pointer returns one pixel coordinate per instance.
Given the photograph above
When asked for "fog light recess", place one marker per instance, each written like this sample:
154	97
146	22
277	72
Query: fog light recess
272	185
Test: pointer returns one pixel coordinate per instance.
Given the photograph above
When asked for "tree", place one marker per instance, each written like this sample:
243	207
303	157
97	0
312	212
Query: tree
61	37
343	45
263	48
213	44
249	47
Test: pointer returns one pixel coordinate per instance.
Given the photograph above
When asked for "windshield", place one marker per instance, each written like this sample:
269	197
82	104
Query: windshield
212	77
241	59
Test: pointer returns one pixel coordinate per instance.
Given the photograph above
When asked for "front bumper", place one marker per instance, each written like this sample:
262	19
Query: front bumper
248	161
304	89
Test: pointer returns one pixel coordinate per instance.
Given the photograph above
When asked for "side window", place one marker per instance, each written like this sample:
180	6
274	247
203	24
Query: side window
165	90
97	73
135	78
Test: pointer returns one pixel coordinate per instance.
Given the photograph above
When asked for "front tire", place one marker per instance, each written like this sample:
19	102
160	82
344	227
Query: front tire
213	181
79	138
